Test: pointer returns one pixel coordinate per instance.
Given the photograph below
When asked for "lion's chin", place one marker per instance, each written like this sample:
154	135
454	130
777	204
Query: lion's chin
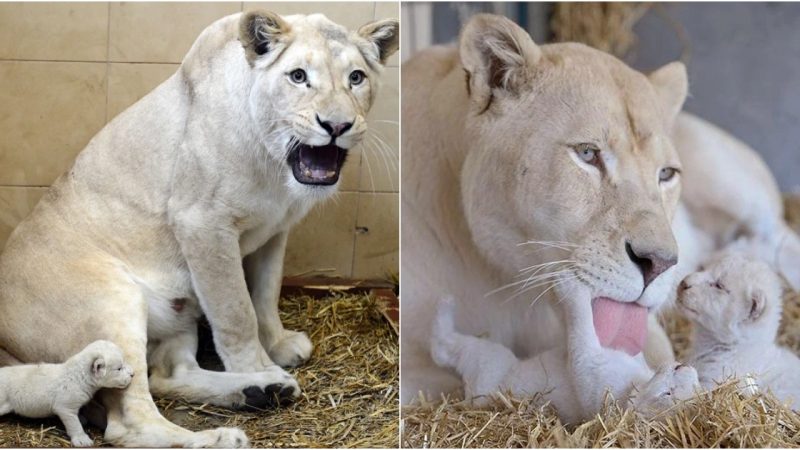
320	165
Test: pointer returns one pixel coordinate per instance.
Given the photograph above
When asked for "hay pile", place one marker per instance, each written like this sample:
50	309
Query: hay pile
350	387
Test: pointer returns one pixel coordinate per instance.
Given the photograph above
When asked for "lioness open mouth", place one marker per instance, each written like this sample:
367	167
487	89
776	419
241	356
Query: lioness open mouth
317	165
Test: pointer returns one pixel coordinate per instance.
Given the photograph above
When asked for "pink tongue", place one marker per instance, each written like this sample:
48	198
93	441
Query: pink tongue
621	326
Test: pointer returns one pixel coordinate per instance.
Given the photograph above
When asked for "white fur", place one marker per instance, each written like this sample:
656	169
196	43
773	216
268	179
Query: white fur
44	390
735	304
559	375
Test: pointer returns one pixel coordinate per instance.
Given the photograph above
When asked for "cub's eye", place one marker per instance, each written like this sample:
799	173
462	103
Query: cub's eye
298	76
667	173
589	154
357	77
719	285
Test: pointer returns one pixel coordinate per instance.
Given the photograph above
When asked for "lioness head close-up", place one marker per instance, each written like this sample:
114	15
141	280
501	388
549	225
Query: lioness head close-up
569	160
313	83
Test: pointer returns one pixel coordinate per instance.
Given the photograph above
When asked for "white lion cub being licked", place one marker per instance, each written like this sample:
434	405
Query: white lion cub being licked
488	367
735	304
42	390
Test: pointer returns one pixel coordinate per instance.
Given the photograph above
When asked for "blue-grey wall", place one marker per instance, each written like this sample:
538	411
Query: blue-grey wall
744	66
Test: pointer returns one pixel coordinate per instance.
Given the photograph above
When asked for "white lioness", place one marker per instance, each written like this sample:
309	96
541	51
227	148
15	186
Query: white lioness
546	169
735	303
150	225
44	390
487	368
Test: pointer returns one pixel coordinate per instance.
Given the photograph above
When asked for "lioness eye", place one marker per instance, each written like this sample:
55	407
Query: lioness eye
589	154
298	76
666	174
719	285
357	77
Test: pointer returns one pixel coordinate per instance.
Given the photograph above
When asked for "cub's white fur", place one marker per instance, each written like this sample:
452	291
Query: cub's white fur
150	226
487	367
735	304
44	390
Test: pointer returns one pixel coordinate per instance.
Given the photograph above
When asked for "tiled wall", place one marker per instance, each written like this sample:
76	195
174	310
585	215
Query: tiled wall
68	68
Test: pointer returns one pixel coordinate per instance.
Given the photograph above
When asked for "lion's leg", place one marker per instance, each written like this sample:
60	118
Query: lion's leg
482	364
264	270
133	418
176	374
6	359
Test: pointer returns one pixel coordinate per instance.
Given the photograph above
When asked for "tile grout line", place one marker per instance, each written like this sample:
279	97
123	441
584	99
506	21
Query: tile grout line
108	56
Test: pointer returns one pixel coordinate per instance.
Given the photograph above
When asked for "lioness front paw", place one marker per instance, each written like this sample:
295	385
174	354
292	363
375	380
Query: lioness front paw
82	440
276	392
294	348
222	438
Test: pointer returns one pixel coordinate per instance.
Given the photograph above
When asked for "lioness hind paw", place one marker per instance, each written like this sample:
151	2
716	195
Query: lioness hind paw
271	396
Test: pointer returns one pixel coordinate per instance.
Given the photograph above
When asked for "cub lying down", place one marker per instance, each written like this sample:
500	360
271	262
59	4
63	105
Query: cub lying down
44	390
488	367
735	304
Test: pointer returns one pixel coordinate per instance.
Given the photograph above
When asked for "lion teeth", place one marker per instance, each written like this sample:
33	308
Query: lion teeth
330	173
307	173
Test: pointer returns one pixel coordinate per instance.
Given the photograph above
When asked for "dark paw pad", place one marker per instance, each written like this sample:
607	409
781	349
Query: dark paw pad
272	396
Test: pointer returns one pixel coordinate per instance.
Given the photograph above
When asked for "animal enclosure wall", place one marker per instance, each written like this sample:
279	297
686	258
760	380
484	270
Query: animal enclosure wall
66	69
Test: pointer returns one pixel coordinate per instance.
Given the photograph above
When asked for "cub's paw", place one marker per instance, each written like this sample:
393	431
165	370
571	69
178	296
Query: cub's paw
82	441
271	393
221	438
294	348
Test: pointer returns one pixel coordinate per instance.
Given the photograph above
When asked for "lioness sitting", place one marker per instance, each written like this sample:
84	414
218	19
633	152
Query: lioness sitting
44	390
735	303
531	170
150	225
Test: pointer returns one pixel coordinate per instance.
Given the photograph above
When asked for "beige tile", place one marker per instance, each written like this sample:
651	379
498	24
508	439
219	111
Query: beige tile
160	32
377	236
15	204
350	178
380	160
350	14
389	10
48	112
324	239
127	83
54	31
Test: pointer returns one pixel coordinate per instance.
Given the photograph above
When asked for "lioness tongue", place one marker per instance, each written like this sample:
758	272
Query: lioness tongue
621	326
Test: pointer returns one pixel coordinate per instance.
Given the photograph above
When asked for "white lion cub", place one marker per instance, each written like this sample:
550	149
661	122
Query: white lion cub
735	303
42	390
488	367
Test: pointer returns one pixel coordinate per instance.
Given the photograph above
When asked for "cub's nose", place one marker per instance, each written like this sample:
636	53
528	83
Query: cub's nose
334	129
650	263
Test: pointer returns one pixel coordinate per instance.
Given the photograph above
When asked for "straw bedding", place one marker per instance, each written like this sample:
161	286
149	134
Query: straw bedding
722	418
350	387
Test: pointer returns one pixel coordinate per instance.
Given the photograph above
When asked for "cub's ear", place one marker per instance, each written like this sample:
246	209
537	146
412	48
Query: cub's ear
496	54
758	302
258	31
672	86
98	367
384	35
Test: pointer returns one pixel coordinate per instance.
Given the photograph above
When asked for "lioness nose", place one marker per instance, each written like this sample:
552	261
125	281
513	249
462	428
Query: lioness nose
650	263
335	129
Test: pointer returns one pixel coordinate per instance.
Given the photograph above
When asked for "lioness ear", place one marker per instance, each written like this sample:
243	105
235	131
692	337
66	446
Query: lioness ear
496	54
258	31
758	301
99	367
384	34
672	86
